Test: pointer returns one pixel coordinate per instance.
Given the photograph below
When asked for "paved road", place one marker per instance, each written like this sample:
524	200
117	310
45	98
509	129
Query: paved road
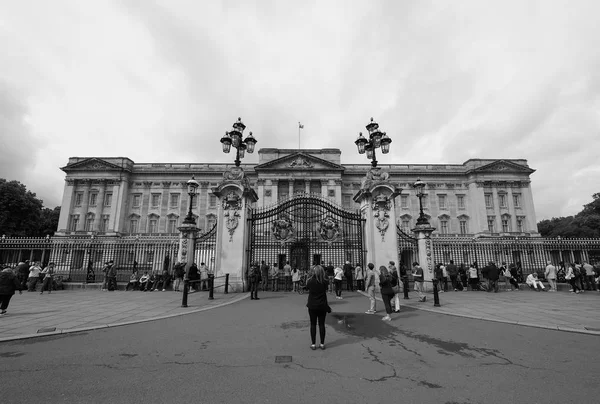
228	355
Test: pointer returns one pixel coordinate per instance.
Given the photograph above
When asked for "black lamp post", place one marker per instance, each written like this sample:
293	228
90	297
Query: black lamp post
419	186
376	139
192	186
234	138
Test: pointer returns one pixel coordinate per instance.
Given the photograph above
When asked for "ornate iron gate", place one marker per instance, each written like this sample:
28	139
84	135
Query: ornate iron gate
407	248
305	230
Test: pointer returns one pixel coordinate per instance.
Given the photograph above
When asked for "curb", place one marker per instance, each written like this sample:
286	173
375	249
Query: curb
521	323
145	320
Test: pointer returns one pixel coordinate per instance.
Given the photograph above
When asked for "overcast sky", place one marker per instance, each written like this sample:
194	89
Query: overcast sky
162	81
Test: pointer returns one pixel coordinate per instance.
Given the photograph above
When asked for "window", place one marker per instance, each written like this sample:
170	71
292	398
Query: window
505	225
444	226
347	201
488	201
491	222
78	198
424	201
517	200
108	199
155	201
520	224
174	202
406	225
133	226
104	223
211	221
460	201
442	201
331	193
172	226
74	223
153	226
463	227
404	201
89	223
212	201
93	198
502	200
137	200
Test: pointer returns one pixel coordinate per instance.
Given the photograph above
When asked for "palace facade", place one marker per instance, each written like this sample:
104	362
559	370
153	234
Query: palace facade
115	196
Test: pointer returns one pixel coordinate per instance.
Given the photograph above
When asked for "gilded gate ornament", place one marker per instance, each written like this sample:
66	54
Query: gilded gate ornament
329	229
282	229
381	208
231	205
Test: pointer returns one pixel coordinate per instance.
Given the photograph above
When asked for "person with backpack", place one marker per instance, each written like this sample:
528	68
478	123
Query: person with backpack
418	278
571	277
387	291
48	274
395	281
254	278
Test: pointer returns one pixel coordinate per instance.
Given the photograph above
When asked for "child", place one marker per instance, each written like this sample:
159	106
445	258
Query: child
295	278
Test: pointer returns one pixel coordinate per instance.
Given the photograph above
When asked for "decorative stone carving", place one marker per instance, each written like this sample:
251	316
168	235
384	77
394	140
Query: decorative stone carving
374	175
233	174
381	207
329	229
283	229
231	206
300	162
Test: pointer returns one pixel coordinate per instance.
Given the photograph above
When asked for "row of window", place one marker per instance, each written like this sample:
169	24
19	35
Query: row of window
174	200
502	200
505	224
152	225
93	198
463	225
89	224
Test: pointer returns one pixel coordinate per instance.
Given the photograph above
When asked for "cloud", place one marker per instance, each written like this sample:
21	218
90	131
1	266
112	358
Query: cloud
161	81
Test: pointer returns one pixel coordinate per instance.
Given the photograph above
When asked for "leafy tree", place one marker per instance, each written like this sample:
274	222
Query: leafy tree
585	224
22	213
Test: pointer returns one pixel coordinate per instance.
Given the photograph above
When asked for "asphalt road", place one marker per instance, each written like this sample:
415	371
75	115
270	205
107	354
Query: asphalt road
230	354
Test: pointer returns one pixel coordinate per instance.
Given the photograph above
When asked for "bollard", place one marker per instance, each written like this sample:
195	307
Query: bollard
436	296
405	287
186	286
226	283
211	284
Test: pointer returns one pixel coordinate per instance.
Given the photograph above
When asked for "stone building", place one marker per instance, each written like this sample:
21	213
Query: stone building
114	196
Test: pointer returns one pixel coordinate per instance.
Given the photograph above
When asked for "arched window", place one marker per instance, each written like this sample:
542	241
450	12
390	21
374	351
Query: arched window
134	223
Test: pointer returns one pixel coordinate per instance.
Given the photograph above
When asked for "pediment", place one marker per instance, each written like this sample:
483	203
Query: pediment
92	164
300	162
503	166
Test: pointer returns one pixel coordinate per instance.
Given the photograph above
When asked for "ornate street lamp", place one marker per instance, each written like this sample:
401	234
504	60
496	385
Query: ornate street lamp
419	186
234	138
376	140
192	187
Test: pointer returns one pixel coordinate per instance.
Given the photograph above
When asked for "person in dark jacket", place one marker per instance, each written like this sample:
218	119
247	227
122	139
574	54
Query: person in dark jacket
453	274
22	273
317	304
8	284
254	277
493	275
193	275
387	291
349	276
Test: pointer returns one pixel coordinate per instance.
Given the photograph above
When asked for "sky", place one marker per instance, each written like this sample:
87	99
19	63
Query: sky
161	81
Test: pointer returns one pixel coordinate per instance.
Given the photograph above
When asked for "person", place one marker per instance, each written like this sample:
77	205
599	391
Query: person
534	283
338	274
473	277
264	274
393	271
274	275
295	278
370	288
144	279
580	275
287	276
438	274
105	270
403	278
133	281
34	276
329	271
493	275
514	273
589	276
348	275
22	272
254	279
571	278
509	279
550	274
203	273
161	281
48	273
178	273
111	274
317	305
8	284
210	269
418	278
387	291
359	275
463	278
453	274
444	278
194	277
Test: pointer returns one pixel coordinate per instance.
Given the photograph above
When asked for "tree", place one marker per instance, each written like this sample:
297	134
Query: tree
586	224
22	213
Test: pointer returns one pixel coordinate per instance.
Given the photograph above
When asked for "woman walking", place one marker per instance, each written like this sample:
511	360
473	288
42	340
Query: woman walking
387	291
48	278
8	284
338	273
317	305
572	279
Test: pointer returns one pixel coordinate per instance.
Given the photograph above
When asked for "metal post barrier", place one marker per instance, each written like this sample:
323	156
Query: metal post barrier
405	287
226	283
211	283
436	296
186	285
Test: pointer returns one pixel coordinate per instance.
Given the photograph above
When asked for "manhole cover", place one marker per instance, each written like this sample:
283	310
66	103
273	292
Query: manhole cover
283	359
48	329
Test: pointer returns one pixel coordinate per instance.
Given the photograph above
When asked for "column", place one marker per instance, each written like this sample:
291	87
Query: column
261	192
425	253
274	191
66	206
100	205
307	186
511	209
291	187
84	205
324	188
497	217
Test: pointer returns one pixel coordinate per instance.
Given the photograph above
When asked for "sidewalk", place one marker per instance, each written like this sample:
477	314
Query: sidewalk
562	311
63	311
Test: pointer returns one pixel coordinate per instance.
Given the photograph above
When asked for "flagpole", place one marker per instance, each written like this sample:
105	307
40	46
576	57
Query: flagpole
299	136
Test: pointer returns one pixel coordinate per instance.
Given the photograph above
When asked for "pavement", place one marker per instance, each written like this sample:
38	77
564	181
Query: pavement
67	311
